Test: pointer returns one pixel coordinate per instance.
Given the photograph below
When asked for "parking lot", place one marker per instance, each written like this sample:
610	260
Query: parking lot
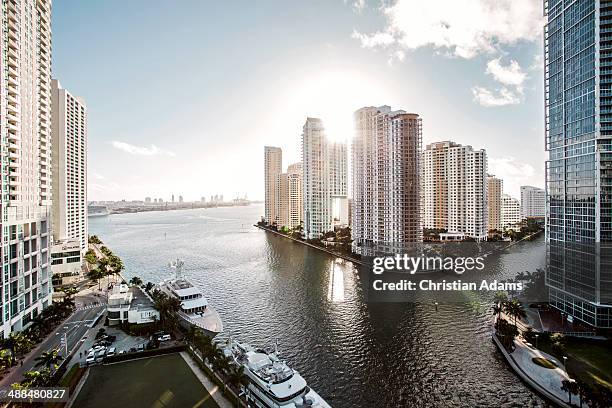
122	342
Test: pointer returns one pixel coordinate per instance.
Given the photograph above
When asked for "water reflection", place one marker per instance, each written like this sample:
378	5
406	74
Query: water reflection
353	352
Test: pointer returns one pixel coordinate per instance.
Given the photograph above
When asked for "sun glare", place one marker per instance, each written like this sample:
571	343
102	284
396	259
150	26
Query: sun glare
334	96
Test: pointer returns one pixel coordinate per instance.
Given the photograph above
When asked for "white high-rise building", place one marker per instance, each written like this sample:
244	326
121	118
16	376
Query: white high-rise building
324	166
454	188
25	136
69	132
289	196
511	211
273	167
533	202
386	205
495	189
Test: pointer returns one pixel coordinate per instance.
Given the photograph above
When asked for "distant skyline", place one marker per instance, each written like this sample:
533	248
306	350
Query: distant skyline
183	96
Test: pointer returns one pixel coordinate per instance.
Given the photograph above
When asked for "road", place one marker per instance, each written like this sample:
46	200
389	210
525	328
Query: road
74	328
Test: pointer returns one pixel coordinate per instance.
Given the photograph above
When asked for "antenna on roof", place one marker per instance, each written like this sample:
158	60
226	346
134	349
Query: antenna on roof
178	268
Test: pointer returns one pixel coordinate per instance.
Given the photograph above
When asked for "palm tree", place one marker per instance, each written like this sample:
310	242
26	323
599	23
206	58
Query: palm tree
49	359
95	275
500	297
497	309
136	281
570	387
6	358
192	334
36	378
93	239
237	378
514	309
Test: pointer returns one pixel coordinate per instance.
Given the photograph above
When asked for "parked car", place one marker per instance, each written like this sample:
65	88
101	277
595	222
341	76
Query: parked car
164	337
140	347
91	357
111	352
100	355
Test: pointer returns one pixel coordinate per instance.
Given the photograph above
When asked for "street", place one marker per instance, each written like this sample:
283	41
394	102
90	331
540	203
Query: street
73	329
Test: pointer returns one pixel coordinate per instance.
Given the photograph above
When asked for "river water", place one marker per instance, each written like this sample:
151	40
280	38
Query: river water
354	353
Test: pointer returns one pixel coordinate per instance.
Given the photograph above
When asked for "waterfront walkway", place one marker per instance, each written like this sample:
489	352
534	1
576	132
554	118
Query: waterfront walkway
547	381
336	254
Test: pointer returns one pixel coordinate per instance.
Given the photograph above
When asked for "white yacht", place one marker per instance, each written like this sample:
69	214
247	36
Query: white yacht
272	383
194	306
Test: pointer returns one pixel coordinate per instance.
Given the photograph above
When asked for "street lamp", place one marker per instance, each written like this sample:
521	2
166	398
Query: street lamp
536	337
565	363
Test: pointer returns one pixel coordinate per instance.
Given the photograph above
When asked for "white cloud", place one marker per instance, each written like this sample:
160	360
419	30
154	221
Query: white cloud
511	74
141	150
463	28
511	77
492	98
514	173
380	39
358	5
538	62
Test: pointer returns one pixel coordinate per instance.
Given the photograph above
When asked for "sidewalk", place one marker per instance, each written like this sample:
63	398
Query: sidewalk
546	381
212	388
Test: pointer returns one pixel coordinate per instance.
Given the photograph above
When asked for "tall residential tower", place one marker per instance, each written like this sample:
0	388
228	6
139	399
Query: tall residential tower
273	167
25	136
386	205
495	189
69	133
454	188
578	136
324	180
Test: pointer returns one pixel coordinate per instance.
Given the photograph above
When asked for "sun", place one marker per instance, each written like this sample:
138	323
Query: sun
334	96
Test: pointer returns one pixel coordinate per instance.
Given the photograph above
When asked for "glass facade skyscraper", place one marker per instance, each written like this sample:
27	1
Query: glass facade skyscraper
578	109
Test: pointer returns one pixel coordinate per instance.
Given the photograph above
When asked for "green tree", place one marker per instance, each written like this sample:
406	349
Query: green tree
136	281
514	309
95	275
49	359
93	239
36	378
570	387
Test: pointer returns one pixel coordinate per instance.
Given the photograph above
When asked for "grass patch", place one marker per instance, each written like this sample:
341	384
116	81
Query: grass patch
587	361
543	362
163	381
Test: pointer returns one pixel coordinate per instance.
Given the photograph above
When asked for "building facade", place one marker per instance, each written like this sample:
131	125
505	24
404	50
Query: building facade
25	136
273	167
454	188
324	180
289	197
495	189
533	202
510	211
386	204
69	158
578	139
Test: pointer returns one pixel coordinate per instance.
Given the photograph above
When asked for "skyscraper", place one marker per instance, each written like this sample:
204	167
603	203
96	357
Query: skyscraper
495	189
386	205
273	167
25	135
510	211
289	196
69	147
324	166
533	202
454	188
578	135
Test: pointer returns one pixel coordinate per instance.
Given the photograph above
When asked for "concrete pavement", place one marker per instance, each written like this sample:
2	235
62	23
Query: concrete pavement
72	329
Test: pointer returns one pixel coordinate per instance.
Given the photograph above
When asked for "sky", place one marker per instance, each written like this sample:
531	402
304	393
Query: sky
183	96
